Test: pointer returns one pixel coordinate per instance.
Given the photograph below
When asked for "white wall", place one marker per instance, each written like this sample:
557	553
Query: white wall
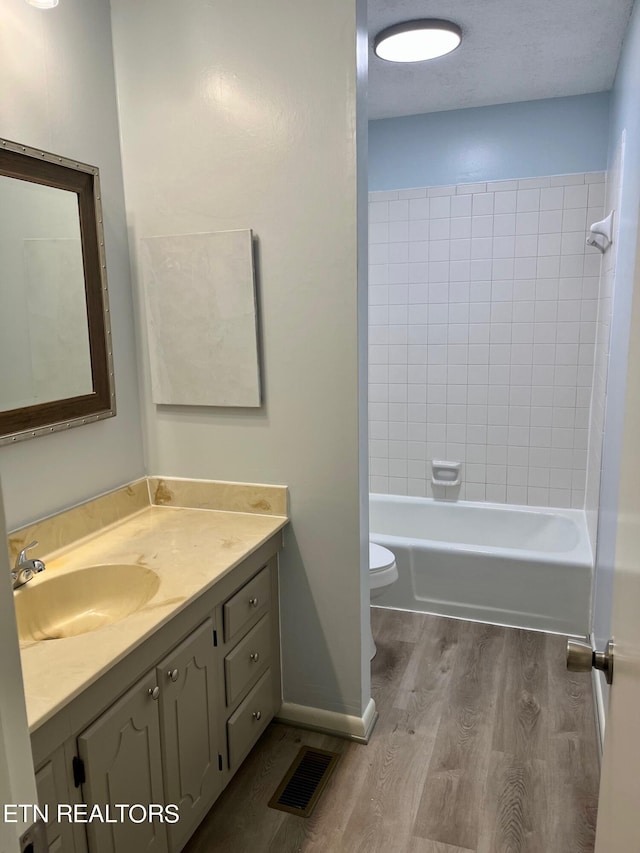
243	115
57	92
483	305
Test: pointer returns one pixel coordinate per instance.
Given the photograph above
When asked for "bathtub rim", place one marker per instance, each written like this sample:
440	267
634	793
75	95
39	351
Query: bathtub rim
580	556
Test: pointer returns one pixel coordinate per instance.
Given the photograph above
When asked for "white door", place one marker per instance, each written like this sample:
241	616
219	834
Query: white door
17	779
619	808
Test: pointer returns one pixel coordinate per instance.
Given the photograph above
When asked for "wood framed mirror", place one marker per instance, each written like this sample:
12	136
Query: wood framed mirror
56	365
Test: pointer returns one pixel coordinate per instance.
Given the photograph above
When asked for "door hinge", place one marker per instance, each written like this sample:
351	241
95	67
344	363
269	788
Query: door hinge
34	839
79	777
220	762
215	637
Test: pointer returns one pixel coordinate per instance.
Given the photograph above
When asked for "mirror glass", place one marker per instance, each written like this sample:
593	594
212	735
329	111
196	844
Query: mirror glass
55	342
43	312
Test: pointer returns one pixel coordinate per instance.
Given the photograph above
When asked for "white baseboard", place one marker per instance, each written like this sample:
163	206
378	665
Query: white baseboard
331	722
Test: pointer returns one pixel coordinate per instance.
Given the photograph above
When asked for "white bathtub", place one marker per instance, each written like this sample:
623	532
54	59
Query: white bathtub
509	565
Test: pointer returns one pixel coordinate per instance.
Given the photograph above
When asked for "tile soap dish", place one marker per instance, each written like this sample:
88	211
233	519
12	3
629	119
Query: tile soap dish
445	473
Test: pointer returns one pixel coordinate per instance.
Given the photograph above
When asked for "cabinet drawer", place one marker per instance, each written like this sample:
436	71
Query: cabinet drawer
245	607
248	660
250	719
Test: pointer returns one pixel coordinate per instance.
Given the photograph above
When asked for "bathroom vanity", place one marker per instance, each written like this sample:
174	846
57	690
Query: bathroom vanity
163	705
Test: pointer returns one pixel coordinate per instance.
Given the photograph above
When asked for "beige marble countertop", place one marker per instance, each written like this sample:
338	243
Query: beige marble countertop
189	549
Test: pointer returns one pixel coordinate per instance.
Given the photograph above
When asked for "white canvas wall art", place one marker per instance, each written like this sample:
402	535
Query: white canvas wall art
202	319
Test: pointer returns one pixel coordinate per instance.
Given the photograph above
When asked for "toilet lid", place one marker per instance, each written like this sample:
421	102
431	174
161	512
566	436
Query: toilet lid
379	557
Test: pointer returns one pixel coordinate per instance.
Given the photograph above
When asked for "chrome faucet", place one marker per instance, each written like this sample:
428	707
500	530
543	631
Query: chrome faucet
25	569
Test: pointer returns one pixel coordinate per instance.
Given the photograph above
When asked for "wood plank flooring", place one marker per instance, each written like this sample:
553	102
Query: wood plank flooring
485	744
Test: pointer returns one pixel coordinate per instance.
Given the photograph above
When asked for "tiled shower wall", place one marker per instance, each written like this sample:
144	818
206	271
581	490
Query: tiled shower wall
483	308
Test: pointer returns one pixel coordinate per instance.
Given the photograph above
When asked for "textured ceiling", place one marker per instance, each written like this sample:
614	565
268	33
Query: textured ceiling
512	50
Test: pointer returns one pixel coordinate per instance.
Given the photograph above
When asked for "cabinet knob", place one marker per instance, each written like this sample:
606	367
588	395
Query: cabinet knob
173	674
154	692
257	715
254	601
255	656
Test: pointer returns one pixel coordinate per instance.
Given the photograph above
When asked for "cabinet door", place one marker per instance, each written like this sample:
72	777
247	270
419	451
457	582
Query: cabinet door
51	783
121	754
190	749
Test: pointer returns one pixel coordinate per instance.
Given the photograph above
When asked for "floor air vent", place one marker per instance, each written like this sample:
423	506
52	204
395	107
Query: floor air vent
304	781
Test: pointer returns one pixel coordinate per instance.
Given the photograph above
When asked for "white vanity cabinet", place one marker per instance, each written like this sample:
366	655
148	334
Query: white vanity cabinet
181	731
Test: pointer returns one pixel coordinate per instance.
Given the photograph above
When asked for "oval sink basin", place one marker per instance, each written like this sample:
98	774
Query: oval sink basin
65	605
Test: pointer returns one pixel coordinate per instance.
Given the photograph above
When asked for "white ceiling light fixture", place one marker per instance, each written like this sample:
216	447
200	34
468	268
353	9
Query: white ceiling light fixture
43	4
417	41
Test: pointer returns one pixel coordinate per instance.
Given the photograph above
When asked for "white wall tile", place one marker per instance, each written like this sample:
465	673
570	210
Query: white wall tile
592	260
419	208
418	251
481	248
567	180
550	221
420	192
439	229
496	494
484	329
463	189
440	191
549	244
461	205
596	197
383	195
459	312
398	210
552	198
505	201
482	226
482	204
379	232
418	230
378	211
527	222
398	253
575	219
440	207
378	253
576	196
533	183
398	232
573	243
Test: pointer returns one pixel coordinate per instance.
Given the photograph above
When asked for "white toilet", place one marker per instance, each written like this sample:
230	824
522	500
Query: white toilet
382	572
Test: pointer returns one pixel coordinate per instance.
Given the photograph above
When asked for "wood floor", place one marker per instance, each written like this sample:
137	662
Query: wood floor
485	744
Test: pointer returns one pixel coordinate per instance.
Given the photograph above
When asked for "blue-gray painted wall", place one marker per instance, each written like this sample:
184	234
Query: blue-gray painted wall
547	137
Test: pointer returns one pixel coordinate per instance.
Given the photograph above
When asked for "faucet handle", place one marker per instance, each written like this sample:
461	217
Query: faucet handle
22	556
25	569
